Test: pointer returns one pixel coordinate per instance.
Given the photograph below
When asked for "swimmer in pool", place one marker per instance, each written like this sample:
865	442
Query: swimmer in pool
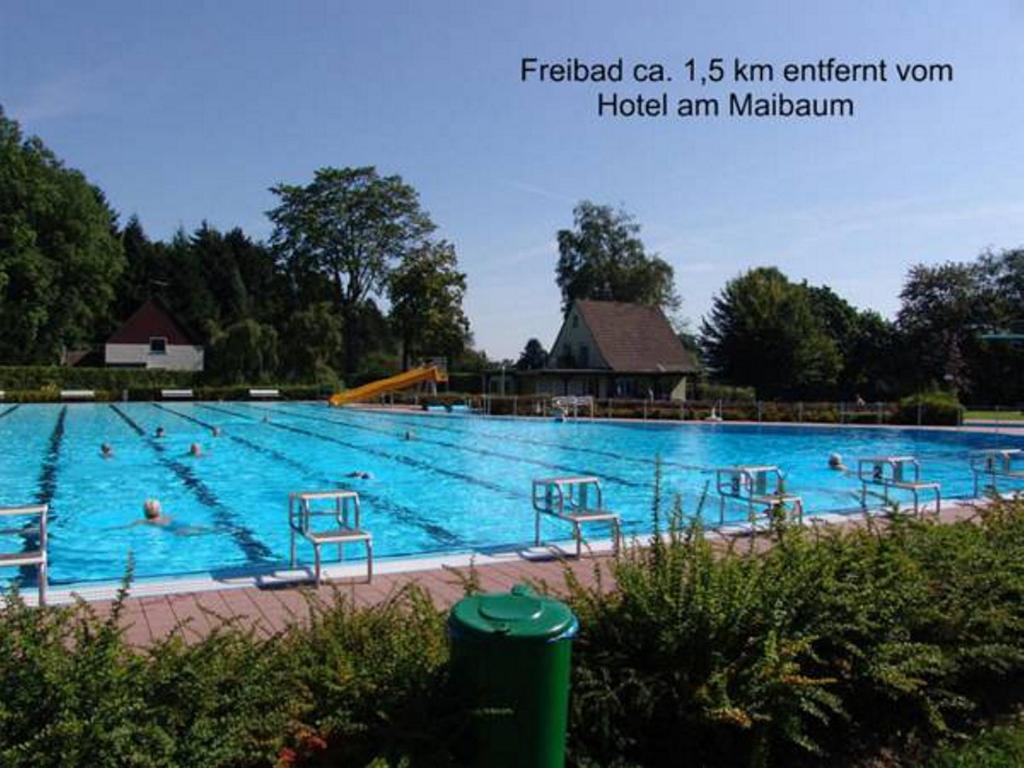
359	474
160	432
835	462
409	435
153	515
107	451
195	450
217	432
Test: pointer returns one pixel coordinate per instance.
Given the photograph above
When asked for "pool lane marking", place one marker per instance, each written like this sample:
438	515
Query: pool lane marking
466	449
255	551
47	489
11	410
412	421
48	474
408	461
419	421
398	512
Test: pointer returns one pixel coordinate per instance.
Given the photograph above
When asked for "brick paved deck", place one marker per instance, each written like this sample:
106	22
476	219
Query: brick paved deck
272	609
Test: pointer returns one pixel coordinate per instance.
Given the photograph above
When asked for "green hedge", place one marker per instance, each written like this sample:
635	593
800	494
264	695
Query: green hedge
707	390
112	379
932	408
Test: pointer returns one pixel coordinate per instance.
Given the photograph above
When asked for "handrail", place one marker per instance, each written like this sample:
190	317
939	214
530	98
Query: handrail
38	557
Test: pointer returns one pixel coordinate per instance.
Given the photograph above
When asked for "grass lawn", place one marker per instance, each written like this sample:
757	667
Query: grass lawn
1000	747
1007	415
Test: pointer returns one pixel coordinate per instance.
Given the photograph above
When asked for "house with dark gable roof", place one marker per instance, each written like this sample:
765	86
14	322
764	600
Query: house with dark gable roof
613	349
154	338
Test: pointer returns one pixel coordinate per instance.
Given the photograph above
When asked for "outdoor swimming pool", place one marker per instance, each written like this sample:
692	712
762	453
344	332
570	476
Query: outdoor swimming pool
462	483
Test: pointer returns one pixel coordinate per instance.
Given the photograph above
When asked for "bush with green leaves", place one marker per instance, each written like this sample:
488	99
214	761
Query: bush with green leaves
932	408
34	377
824	649
352	686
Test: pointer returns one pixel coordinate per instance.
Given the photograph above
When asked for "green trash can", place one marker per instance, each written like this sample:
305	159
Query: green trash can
510	663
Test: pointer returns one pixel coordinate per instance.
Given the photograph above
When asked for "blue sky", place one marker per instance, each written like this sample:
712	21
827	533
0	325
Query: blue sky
190	110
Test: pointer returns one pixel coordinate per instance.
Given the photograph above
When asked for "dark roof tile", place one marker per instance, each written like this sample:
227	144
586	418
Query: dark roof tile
153	319
635	337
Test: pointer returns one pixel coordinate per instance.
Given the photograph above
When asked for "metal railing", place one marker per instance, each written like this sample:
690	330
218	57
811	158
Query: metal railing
646	409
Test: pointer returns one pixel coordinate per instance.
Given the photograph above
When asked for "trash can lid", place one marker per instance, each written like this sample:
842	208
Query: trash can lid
522	613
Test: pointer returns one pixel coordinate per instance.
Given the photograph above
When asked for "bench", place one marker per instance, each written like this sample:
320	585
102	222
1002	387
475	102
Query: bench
78	394
264	394
28	557
344	512
176	394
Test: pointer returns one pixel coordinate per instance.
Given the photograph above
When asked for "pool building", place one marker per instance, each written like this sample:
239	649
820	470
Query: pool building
608	349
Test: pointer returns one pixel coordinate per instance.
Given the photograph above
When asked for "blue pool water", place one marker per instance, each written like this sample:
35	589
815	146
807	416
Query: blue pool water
462	483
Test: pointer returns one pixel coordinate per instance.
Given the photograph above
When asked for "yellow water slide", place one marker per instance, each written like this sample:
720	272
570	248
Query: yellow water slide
390	384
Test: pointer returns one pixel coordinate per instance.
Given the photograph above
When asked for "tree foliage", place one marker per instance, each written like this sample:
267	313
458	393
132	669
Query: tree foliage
244	351
763	332
59	255
602	257
351	225
533	356
426	291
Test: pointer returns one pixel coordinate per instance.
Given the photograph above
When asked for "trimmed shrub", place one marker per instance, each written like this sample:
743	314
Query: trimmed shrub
114	379
707	390
931	408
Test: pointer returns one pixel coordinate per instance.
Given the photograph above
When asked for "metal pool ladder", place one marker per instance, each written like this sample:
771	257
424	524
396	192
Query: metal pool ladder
895	472
577	500
757	486
36	557
996	463
344	511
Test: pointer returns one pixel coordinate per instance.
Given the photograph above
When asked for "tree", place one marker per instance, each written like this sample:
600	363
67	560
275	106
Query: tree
762	332
59	254
313	343
602	257
350	225
143	272
943	307
533	356
946	310
245	351
426	291
865	342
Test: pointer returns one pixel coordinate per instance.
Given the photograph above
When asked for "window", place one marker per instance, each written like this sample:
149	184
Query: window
158	345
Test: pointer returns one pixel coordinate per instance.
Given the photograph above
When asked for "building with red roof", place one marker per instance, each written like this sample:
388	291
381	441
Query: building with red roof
154	338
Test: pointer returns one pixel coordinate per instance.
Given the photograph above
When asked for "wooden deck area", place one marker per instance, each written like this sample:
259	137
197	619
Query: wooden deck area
271	609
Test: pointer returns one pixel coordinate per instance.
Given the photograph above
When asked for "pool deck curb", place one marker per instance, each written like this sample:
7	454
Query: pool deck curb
272	602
